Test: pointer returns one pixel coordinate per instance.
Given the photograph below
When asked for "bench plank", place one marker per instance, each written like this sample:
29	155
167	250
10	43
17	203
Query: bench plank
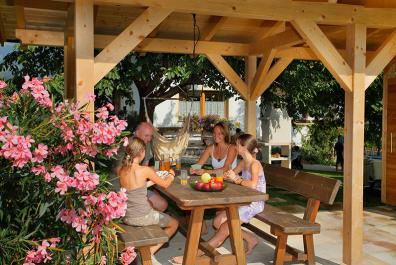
139	236
286	222
305	184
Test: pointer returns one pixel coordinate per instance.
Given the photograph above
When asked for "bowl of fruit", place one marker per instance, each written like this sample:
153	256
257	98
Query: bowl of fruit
207	183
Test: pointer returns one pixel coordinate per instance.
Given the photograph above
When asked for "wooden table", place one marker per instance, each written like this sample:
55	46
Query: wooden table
196	201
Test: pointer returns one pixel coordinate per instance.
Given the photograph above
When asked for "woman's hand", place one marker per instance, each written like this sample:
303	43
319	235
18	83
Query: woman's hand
230	174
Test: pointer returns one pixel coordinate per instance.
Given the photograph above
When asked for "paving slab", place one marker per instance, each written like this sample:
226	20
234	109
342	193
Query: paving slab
379	240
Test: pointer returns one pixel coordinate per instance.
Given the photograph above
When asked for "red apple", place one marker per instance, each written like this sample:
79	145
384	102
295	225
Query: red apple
206	187
199	185
213	186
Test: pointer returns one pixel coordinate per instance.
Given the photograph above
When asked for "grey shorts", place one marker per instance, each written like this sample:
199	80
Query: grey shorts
152	218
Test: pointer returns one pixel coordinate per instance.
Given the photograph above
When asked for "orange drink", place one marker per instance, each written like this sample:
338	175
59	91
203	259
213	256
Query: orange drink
178	164
219	175
166	164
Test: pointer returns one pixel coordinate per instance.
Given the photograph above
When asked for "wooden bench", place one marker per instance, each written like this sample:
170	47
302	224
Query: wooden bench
316	189
142	238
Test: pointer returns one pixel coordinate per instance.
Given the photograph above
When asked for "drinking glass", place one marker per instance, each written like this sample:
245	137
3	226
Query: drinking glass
184	177
219	175
178	163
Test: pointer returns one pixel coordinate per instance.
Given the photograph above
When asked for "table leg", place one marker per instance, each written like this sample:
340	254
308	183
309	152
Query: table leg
193	235
234	225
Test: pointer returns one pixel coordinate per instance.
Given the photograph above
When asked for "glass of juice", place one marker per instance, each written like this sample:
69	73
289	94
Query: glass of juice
178	163
219	175
184	177
166	163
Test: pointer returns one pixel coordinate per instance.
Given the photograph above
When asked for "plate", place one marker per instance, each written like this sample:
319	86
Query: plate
192	185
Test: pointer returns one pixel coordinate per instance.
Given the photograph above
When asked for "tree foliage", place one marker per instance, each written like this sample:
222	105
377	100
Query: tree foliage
160	75
306	88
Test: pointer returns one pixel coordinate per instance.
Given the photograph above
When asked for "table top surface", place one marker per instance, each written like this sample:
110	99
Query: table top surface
186	196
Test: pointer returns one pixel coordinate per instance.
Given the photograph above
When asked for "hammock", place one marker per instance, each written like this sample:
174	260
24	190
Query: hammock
174	148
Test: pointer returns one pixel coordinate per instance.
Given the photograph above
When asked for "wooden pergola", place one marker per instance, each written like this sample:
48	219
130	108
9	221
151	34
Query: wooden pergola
355	40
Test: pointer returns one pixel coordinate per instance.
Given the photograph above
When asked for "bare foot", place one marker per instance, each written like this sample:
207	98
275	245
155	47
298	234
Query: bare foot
251	244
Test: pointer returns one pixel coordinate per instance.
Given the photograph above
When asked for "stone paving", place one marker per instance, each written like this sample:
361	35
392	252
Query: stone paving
379	239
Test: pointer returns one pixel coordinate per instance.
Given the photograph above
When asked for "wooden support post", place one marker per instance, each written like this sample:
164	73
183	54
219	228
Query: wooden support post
84	48
227	108
250	104
354	146
70	56
202	104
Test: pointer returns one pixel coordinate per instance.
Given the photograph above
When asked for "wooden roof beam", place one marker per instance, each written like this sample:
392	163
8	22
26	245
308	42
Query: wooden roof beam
232	77
384	54
264	32
124	43
210	31
281	40
270	77
325	51
52	38
279	10
20	15
261	73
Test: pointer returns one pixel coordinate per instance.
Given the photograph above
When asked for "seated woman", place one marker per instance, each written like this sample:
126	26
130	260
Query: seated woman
133	177
223	153
252	177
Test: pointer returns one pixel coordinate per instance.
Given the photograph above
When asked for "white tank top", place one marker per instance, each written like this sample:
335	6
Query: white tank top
220	163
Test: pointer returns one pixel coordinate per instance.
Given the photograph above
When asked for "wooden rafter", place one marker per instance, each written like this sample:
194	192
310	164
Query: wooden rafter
325	51
135	33
265	32
215	25
20	14
52	38
270	77
2	34
284	39
384	54
261	72
322	13
226	70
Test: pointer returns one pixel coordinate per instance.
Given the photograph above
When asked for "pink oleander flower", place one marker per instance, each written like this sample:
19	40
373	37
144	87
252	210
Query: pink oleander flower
38	170
102	113
110	106
38	91
17	149
40	253
125	141
91	97
110	152
3	84
127	256
67	216
80	224
40	153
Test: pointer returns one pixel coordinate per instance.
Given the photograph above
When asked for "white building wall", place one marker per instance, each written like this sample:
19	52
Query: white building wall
237	113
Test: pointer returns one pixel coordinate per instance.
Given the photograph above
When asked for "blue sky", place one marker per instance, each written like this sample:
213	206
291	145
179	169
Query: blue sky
4	50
